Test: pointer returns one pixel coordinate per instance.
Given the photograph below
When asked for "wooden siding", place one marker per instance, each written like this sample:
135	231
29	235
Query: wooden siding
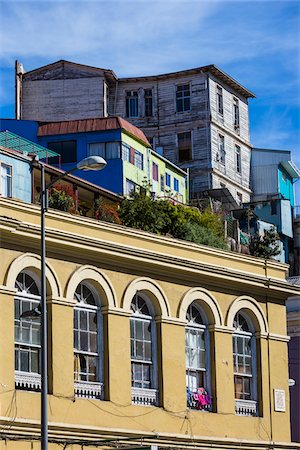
54	100
78	98
227	120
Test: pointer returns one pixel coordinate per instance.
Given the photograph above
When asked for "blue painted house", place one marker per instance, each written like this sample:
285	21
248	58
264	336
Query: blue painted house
130	160
15	175
273	175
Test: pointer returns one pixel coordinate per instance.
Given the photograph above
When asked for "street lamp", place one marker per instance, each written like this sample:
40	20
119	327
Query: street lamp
89	163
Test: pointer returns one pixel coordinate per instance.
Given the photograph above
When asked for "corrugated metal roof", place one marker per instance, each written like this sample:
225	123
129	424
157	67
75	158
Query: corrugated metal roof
87	125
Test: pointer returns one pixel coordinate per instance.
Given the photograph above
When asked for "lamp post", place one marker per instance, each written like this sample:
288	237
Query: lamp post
89	163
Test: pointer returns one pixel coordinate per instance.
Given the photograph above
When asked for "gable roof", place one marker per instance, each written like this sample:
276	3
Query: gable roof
88	125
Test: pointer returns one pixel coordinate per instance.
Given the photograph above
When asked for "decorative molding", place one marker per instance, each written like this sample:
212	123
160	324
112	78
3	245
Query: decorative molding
253	307
279	337
107	310
5	290
85	389
28	381
245	407
170	320
93	274
206	300
145	397
221	329
152	289
29	260
61	301
91	223
261	335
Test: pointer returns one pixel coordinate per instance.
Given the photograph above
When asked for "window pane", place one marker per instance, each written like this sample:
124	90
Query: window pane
83	320
138	329
97	149
147	331
34	361
139	350
238	385
147	351
93	343
84	341
24	360
112	150
92	321
35	334
146	373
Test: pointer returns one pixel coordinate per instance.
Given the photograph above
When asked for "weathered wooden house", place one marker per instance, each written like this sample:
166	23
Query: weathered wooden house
197	117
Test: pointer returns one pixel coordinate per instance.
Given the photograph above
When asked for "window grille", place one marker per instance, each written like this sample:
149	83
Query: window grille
27	332
143	353
244	365
183	98
132	104
87	337
148	102
197	358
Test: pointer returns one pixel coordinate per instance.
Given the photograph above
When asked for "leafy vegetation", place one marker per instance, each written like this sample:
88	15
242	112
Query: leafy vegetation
61	197
163	217
265	246
106	211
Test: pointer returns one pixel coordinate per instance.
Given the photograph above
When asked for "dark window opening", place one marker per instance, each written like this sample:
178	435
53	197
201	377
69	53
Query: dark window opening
148	103
184	146
66	149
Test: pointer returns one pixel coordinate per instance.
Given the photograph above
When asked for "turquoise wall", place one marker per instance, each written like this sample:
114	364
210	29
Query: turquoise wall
285	185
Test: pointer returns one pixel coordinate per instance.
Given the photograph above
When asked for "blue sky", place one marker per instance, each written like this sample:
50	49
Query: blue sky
256	42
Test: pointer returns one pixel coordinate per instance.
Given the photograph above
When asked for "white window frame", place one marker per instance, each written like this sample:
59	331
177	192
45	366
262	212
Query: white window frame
244	406
8	179
91	388
29	380
142	395
201	328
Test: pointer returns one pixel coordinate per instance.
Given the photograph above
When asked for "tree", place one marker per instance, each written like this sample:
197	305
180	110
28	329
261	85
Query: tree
163	217
265	246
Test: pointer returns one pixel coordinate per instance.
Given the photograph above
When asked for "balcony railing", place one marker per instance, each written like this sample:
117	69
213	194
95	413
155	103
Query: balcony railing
146	397
28	381
245	407
85	389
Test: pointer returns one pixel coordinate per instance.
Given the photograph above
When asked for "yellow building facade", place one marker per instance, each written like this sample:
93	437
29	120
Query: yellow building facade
142	332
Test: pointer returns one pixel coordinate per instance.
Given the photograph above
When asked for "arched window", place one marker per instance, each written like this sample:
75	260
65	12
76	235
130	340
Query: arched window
88	360
244	363
27	331
197	359
143	352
